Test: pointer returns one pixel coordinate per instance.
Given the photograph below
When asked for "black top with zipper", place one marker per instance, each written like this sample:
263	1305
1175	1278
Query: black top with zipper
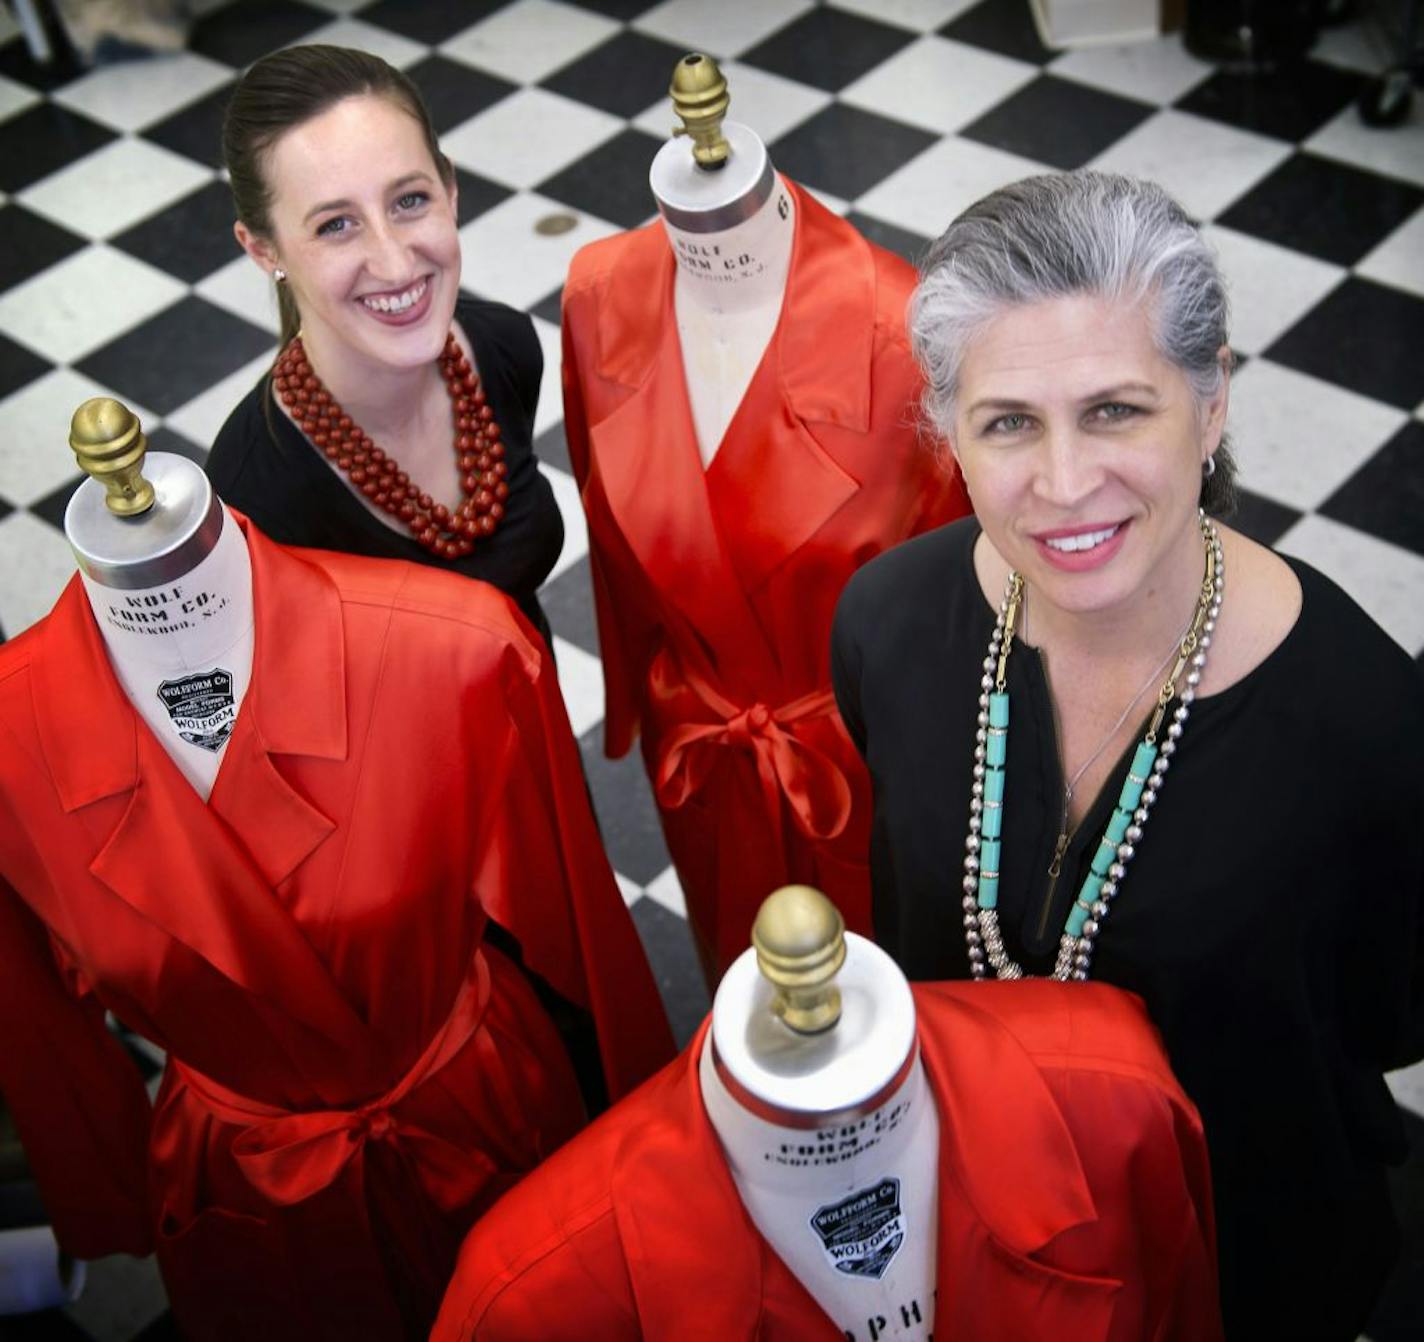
1272	917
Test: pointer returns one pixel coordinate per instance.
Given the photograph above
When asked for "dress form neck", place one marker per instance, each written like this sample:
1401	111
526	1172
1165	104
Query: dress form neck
833	1142
731	233
171	594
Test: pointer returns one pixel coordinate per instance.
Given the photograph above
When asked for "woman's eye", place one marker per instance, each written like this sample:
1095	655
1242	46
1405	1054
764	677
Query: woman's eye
332	227
412	200
1012	423
1112	411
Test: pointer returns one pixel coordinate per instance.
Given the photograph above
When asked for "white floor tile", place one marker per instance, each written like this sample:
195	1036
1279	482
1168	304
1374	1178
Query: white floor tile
1399	259
200	420
631	891
15	97
1205	165
921	15
1298	438
551	398
1407	1085
123	1296
114	187
9	27
36	561
1383	578
390	47
128	97
1158	71
528	137
35	456
1397	151
726	28
933	187
1271	287
243	289
530	39
938	84
340	6
833	203
506	259
581	681
566	495
666	889
83	302
770	104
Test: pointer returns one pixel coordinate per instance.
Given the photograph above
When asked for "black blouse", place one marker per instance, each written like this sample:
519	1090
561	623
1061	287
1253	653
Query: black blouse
1271	917
262	465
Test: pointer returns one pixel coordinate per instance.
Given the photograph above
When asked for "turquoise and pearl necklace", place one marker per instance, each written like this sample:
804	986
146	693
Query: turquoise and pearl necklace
1139	792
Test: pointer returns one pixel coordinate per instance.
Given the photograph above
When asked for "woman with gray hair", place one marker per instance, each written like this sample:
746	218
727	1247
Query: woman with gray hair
1208	790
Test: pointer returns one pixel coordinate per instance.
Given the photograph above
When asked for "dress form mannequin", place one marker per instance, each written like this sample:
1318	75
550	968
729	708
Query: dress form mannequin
818	1096
168	578
730	221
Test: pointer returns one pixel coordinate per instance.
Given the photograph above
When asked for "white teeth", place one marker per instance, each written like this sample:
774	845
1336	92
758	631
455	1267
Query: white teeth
1084	540
400	303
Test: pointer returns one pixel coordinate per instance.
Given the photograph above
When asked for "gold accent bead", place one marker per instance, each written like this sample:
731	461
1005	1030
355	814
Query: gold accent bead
799	937
700	99
109	443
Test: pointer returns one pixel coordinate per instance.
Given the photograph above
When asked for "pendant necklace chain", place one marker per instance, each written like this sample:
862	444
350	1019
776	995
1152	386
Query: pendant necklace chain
1138	795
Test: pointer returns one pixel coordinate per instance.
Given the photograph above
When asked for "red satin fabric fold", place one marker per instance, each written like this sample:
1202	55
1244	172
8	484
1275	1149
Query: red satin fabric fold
291	1156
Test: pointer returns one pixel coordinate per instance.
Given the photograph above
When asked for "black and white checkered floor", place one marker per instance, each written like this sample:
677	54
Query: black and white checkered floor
119	275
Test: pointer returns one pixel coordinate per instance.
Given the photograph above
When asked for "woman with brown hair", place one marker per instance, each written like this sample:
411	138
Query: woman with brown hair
397	419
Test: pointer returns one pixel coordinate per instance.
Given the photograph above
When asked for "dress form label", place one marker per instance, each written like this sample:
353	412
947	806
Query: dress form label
180	608
732	259
202	707
863	1232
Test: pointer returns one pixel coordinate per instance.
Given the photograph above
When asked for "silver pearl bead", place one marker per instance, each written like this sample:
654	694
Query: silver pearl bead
1125	853
1199	660
1189	695
1181	713
971	863
972	937
1149	796
1090	928
1108	890
1100	909
975	824
1140	815
1169	748
972	843
1080	976
988	664
976	788
971	905
976	955
971	884
978	771
1160	765
983	718
980	754
1193	677
1133	833
1173	733
983	701
975	806
985	682
1117	871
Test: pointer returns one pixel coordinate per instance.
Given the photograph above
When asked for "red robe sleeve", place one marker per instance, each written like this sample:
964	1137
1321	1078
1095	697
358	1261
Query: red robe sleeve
78	1101
545	878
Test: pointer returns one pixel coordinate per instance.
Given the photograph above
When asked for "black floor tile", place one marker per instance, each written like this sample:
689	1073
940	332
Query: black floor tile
614	9
52	506
568	602
30	244
167	440
1290	102
668	942
627	816
610	181
551	307
827	48
170	358
1004	28
476	195
846	151
18	366
1328	209
1365	336
6	508
551	446
43	139
431	21
195	130
1262	519
623	75
454	92
1385	497
16	64
898	240
239	34
190	239
1057	121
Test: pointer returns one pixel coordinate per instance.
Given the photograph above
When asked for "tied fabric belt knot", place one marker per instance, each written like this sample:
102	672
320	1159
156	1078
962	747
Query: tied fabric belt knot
810	781
291	1155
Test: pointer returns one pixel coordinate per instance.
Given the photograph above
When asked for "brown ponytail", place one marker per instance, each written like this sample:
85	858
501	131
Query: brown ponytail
281	92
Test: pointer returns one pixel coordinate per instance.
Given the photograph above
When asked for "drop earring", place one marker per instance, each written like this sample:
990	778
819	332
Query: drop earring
1209	467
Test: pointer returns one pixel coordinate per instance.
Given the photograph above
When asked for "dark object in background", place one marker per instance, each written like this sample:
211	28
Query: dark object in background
1252	34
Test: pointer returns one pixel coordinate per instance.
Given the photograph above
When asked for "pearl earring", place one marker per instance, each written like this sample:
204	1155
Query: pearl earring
279	275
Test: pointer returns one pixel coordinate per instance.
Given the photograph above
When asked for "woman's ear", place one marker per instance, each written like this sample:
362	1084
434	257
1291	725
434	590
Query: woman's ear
256	246
1214	420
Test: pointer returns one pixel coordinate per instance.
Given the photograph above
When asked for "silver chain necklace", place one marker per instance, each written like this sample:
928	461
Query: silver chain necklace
1138	795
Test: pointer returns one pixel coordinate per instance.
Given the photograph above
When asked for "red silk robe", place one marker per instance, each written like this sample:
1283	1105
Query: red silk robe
715	588
1074	1199
352	1077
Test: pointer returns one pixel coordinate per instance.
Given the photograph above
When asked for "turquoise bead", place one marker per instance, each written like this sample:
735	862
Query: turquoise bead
988	892
998	710
1141	767
989	855
997	747
1077	916
1117	827
1103	858
994	785
991	823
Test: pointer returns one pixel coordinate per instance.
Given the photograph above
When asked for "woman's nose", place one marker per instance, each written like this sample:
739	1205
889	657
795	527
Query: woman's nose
1067	471
387	254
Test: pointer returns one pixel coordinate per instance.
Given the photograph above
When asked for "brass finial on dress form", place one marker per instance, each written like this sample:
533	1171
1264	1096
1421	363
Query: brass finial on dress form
700	98
109	442
799	937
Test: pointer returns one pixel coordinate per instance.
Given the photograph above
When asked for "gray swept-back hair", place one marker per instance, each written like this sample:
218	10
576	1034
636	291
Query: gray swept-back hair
1062	234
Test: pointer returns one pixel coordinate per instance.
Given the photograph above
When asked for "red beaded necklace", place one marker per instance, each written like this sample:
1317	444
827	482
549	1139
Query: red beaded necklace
377	474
